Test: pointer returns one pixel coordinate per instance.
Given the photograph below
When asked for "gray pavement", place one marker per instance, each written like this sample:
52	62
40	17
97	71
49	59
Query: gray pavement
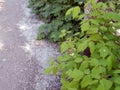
17	67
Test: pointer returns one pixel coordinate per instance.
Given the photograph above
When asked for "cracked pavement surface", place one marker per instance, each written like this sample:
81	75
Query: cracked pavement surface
17	67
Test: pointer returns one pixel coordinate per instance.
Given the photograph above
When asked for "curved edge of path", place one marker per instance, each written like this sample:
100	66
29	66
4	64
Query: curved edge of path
22	58
42	50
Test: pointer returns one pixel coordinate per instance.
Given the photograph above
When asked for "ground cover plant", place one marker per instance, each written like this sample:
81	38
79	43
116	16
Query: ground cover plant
90	56
53	13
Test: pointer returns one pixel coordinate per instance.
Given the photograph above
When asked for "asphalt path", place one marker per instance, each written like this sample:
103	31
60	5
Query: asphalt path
17	67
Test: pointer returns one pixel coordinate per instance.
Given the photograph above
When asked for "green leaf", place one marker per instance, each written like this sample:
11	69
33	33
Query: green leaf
104	6
94	22
81	16
92	30
86	81
101	87
73	85
117	71
95	37
94	62
69	11
85	26
117	88
84	65
81	46
78	60
97	71
51	69
111	15
76	11
109	63
64	46
71	44
65	57
87	71
103	28
63	33
91	46
110	43
104	51
104	84
112	5
94	82
75	74
117	80
48	70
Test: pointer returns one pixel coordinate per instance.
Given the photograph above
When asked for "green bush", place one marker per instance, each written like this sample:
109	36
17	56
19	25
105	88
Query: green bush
53	13
90	56
99	68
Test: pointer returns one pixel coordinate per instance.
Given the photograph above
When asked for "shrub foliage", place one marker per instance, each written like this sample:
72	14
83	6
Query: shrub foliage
53	13
90	48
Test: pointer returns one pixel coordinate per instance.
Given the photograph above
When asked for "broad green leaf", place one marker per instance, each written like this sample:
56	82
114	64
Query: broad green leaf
95	37
103	28
110	43
64	46
91	46
85	26
73	85
75	74
94	62
117	88
104	6
70	85
87	71
76	11
72	88
92	30
84	65
81	16
71	44
103	63
97	71
99	4
117	71
104	84
65	83
94	22
94	82
63	33
81	46
101	87
104	51
48	70
112	5
117	80
65	57
71	64
107	83
78	60
69	11
95	13
86	81
111	15
109	63
51	69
